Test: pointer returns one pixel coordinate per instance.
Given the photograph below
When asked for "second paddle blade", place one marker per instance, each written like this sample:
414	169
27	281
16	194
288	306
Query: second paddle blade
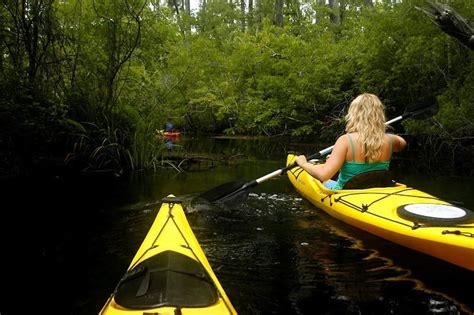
221	191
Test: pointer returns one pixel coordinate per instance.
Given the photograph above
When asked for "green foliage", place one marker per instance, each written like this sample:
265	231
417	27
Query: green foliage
147	148
456	116
99	77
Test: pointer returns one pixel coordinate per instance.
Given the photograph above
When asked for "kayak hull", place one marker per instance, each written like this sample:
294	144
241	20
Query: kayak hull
170	273
377	211
171	135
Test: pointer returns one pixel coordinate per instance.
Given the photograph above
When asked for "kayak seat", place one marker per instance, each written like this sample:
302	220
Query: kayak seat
378	178
166	279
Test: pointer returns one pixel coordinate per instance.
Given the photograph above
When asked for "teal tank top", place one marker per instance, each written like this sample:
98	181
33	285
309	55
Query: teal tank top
351	168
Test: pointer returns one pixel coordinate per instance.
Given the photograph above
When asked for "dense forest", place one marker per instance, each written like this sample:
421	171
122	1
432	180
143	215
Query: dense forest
89	82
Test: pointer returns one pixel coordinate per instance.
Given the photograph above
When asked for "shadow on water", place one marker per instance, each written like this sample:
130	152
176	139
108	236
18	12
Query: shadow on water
66	243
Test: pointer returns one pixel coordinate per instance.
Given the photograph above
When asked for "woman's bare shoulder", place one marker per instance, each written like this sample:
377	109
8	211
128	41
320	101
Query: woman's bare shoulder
342	141
343	138
398	142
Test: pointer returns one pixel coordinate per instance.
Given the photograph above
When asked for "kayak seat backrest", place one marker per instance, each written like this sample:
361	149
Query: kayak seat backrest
166	279
379	178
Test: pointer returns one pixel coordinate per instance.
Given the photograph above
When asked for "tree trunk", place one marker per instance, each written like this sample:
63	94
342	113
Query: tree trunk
242	11
334	13
187	6
278	19
121	43
250	14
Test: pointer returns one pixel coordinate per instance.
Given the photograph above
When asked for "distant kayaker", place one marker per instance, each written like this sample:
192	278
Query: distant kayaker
169	127
365	147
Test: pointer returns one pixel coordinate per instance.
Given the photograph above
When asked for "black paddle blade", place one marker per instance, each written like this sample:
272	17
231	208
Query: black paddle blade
235	199
425	109
220	192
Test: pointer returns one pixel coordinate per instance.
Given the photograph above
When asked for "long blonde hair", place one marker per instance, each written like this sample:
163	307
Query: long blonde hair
366	117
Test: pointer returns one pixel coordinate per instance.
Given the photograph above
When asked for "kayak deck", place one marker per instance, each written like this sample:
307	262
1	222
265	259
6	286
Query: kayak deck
170	273
379	211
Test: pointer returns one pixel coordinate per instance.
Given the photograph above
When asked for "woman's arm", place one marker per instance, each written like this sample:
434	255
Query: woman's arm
398	143
333	164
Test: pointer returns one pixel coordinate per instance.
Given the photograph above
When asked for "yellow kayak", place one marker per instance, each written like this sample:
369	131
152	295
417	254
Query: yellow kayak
401	214
170	273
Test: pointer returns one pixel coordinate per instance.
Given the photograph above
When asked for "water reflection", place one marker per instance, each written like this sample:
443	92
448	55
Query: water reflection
261	148
274	254
277	255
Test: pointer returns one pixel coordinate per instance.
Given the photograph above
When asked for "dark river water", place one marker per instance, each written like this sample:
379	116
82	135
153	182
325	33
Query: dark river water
67	242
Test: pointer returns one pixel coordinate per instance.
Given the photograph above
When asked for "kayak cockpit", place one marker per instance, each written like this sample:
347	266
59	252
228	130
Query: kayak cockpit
371	179
166	279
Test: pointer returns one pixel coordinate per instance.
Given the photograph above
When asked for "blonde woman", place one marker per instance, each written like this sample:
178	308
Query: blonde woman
366	147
